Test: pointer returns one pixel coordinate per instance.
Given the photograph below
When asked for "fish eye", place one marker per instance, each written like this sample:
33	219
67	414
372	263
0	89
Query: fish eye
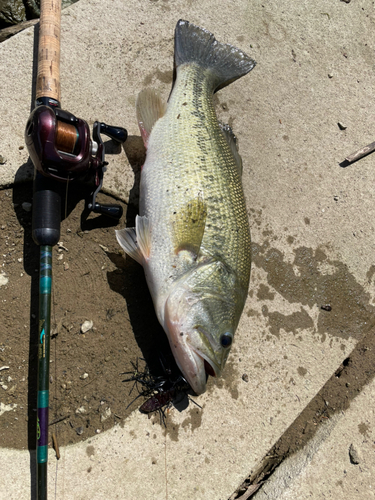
226	339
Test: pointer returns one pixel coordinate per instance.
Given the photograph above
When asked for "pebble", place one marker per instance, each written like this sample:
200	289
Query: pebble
97	431
354	455
245	377
82	409
26	206
106	414
341	126
3	279
326	307
3	160
12	389
84	376
66	266
86	326
4	407
79	431
60	245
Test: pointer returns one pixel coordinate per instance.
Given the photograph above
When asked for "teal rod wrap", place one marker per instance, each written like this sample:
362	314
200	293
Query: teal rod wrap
45	286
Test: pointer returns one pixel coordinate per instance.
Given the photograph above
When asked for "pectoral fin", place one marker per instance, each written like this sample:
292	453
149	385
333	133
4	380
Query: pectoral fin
142	227
149	108
136	242
189	225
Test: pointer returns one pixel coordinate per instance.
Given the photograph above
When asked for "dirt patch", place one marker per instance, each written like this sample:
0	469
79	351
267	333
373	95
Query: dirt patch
91	282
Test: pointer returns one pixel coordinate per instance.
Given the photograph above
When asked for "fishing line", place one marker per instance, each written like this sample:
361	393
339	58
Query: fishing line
165	461
57	466
66	196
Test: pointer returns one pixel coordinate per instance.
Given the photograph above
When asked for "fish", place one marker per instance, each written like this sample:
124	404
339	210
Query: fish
192	233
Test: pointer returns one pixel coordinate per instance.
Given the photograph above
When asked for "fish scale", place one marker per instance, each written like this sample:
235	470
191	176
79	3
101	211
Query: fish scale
192	234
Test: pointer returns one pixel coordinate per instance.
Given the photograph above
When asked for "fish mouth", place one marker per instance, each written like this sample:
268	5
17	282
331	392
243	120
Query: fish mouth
210	367
195	367
195	363
204	366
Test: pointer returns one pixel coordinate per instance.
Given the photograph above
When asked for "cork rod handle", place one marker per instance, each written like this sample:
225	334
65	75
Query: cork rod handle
48	77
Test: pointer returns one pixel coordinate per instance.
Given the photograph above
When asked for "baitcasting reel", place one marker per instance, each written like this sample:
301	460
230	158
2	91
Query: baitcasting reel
60	147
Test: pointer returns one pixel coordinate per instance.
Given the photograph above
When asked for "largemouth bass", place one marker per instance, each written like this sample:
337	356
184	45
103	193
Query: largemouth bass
192	234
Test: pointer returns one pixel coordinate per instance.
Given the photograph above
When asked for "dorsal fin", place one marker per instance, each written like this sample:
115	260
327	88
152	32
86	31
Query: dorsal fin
232	141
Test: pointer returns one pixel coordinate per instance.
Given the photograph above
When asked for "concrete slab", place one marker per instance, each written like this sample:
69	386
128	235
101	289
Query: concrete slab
338	463
311	221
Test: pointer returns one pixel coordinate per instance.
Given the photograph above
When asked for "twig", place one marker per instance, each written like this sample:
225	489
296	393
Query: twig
250	491
58	420
370	148
91	381
56	445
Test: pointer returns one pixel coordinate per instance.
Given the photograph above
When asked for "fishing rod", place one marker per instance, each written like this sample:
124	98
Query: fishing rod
62	151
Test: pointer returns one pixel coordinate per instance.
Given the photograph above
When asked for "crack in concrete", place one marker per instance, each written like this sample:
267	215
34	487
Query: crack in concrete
299	443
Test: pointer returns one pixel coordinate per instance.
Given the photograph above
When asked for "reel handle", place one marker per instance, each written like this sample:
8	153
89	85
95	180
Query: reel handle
112	211
117	134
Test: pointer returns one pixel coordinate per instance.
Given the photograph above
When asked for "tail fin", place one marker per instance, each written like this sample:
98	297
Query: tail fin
199	46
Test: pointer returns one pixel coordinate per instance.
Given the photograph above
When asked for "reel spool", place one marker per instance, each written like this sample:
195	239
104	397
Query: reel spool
60	147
